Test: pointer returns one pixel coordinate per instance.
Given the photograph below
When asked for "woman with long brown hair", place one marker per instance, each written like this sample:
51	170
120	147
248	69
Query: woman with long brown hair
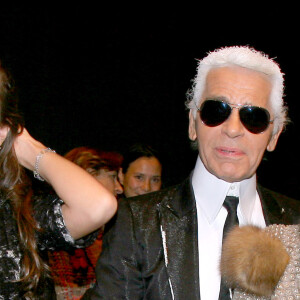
32	225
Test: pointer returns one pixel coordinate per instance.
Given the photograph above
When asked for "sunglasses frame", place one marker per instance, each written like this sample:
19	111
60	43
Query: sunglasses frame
238	107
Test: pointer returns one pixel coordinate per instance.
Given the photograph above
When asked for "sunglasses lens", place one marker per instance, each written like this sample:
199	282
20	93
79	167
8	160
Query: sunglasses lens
214	113
255	119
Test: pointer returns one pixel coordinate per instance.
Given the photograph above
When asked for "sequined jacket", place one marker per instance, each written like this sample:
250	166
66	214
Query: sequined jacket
288	286
151	249
47	212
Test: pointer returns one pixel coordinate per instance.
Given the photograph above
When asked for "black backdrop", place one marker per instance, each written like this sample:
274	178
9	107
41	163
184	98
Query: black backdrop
110	76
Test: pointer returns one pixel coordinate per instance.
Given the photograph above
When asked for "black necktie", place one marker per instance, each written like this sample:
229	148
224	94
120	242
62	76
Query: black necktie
230	204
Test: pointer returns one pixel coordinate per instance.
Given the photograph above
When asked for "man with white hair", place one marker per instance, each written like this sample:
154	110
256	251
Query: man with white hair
167	244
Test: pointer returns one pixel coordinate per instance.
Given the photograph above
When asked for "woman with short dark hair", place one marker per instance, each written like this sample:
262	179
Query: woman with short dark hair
141	170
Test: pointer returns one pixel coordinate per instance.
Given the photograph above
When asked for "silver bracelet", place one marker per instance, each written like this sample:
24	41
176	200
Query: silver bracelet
36	173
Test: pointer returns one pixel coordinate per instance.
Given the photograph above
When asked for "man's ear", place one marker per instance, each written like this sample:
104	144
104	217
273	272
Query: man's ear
121	176
192	127
273	141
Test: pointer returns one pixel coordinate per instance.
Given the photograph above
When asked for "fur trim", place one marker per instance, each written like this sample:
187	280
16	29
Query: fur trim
252	260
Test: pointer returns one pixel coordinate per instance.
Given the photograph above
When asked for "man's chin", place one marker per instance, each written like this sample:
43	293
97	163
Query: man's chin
231	176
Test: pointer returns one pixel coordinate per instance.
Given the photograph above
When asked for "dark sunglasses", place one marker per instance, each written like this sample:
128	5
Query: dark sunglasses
215	112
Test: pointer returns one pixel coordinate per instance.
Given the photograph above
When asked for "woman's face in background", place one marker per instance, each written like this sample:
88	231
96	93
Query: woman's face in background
143	176
109	179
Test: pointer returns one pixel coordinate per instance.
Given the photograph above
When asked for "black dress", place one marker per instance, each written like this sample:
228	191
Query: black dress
54	235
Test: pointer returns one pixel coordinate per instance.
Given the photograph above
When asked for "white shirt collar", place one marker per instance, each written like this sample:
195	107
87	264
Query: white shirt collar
211	191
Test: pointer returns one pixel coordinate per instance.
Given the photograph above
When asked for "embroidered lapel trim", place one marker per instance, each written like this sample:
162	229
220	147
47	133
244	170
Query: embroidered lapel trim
163	234
179	233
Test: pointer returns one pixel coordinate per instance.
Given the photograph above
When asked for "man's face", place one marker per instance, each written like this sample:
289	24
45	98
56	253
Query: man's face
230	151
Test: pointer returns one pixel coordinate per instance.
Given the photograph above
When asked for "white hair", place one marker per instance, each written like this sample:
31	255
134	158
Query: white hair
249	58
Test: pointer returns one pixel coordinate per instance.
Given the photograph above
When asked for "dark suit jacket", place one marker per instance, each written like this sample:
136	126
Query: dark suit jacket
151	251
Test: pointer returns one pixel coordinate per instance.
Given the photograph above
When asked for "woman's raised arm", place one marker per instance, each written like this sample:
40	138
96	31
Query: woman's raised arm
87	204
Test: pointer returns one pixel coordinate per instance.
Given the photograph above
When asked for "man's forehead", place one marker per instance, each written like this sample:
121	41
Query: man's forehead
231	70
226	82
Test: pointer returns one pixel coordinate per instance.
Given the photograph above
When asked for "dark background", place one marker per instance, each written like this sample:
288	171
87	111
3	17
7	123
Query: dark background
90	75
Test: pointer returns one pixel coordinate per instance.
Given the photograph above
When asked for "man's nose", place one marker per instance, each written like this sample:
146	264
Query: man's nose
233	126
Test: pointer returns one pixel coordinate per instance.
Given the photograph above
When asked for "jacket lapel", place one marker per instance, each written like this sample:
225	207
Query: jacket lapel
276	207
178	220
179	230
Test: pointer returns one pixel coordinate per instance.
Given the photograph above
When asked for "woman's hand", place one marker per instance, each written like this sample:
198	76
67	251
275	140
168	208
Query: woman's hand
25	146
27	149
3	133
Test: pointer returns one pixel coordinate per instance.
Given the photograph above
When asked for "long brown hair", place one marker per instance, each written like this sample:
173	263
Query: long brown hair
15	186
